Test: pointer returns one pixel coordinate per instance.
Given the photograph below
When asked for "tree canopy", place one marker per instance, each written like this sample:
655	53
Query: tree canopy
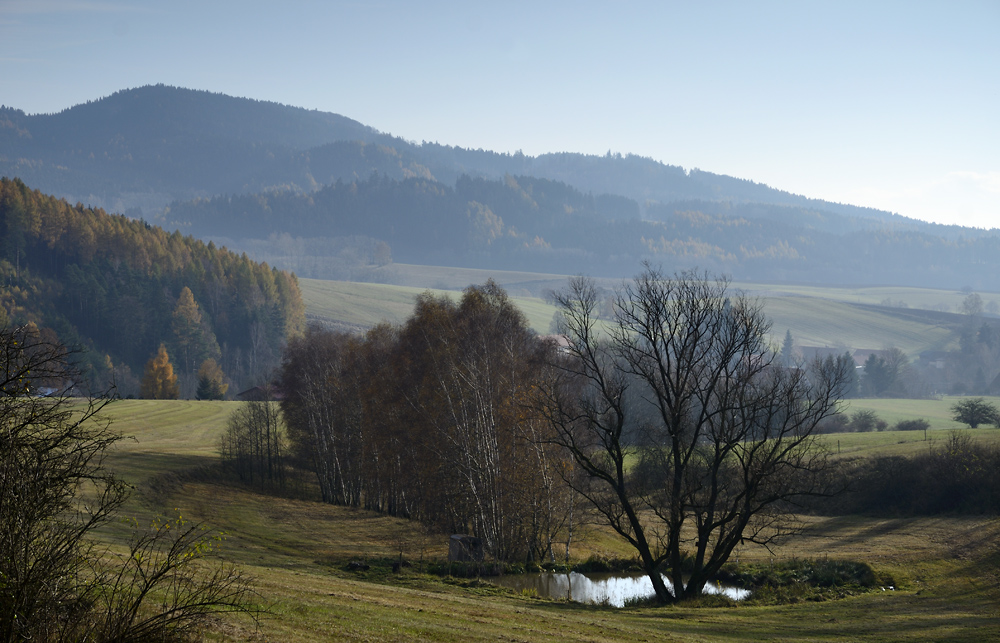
121	287
975	411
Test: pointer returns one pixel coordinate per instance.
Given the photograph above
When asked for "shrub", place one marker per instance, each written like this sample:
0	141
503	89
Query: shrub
836	423
957	475
56	582
600	564
919	424
864	421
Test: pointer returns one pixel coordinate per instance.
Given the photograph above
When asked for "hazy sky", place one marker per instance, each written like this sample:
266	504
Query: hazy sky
894	105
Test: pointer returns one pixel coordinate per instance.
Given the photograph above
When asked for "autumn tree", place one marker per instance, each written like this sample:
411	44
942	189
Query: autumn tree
211	381
435	420
158	380
692	436
479	369
323	407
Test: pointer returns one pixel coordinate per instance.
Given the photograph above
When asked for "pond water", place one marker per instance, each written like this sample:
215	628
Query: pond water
598	589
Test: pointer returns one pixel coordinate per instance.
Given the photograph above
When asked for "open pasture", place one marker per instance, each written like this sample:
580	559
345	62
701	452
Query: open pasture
361	305
936	411
816	316
944	569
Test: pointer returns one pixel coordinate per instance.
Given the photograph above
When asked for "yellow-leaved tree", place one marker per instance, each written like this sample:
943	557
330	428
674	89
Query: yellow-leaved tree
158	380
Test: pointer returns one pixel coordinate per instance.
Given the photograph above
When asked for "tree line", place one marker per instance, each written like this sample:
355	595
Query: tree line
122	287
434	420
674	421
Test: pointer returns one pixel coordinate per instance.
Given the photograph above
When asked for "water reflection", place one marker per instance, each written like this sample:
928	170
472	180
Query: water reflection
599	589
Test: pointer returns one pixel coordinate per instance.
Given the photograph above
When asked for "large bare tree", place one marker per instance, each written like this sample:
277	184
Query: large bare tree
693	437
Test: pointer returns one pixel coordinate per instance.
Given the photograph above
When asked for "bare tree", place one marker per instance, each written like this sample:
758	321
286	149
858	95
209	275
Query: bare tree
254	444
694	439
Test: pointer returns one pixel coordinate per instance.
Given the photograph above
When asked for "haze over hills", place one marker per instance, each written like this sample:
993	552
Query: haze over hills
177	144
329	197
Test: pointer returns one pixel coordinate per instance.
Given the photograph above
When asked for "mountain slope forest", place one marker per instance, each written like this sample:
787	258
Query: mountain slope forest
119	288
525	223
330	197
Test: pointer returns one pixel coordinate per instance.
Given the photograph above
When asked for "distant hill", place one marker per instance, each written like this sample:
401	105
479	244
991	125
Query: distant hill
526	223
330	197
144	147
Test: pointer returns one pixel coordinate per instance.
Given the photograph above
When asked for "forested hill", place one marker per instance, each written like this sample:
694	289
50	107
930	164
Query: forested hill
533	224
322	194
120	287
139	149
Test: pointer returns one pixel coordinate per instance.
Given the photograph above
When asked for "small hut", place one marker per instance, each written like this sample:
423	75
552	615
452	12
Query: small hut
465	548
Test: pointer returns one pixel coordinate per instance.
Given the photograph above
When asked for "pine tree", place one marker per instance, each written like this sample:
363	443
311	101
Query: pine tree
192	337
158	380
788	350
211	381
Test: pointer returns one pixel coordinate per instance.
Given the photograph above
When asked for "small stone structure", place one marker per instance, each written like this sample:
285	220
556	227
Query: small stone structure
465	548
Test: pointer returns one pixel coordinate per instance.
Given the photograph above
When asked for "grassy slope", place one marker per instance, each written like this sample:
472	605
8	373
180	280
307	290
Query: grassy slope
364	305
945	568
835	317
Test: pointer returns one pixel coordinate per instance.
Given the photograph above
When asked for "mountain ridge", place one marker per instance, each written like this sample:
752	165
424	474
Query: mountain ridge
329	197
264	133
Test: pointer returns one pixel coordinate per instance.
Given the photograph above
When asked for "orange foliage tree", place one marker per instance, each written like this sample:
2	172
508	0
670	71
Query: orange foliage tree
158	380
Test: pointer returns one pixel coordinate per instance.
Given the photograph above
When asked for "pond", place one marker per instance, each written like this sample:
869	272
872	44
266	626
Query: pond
598	589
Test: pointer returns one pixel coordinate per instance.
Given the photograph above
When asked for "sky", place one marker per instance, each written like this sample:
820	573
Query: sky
893	105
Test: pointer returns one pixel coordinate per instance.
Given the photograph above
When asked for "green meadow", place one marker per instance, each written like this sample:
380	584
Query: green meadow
816	316
361	305
945	569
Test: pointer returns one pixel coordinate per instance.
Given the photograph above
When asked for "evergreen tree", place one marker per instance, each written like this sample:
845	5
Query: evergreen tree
852	387
788	350
195	342
211	381
159	381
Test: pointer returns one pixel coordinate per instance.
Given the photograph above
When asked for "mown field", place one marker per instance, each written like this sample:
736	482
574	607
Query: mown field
936	411
816	316
945	569
359	305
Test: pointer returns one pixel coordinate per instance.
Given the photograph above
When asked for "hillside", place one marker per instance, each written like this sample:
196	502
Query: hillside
118	288
530	224
329	197
818	317
142	148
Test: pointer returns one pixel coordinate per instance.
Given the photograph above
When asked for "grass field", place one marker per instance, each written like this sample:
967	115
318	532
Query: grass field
816	316
945	569
533	284
361	305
